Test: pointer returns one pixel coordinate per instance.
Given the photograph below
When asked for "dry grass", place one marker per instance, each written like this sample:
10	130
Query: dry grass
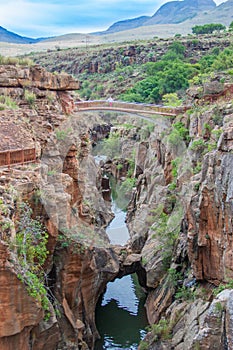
223	15
82	40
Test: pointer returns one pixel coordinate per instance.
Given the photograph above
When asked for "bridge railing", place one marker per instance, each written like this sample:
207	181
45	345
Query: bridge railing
17	157
130	106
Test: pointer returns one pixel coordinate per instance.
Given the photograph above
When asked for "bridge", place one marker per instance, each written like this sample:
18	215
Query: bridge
129	107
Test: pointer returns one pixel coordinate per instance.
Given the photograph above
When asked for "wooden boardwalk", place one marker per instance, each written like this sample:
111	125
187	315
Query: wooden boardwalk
130	107
17	157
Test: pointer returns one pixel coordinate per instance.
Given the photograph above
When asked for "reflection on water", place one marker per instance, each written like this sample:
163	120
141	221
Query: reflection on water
120	315
117	230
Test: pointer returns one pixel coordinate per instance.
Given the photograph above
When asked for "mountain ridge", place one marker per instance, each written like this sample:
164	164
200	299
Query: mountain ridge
11	37
172	12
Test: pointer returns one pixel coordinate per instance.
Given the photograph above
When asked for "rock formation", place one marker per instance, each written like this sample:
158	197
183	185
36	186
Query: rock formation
179	218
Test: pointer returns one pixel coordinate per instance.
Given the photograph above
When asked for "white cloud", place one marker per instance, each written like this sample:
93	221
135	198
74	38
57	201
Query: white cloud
52	17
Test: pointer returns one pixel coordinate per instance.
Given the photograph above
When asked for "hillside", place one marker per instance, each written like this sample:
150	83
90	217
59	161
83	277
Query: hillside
186	12
125	25
10	37
107	70
56	257
180	11
175	17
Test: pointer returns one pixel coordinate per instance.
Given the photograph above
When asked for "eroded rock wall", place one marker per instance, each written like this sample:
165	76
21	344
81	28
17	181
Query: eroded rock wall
180	221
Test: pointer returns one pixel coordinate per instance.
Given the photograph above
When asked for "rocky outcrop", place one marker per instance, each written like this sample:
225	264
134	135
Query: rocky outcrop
107	60
81	276
35	77
63	193
21	311
180	222
179	218
211	229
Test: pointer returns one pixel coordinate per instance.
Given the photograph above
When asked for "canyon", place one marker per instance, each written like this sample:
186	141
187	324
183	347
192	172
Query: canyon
179	216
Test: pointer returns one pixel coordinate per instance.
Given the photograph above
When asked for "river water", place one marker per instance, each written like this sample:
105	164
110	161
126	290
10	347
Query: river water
120	314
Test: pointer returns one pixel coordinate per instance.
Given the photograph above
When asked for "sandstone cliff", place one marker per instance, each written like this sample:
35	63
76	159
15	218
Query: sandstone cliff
180	221
179	217
49	292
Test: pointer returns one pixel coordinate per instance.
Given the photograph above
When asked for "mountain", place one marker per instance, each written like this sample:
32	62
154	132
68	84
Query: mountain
169	13
180	11
10	37
125	25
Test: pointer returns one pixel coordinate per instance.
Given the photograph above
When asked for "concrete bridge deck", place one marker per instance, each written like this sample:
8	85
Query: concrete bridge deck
128	107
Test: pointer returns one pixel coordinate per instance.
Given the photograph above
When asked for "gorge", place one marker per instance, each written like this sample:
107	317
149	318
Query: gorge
178	176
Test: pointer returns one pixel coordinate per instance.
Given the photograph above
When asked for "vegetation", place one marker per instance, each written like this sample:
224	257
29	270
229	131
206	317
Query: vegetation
31	247
7	102
221	287
170	74
30	97
208	28
61	135
166	228
171	99
14	61
111	145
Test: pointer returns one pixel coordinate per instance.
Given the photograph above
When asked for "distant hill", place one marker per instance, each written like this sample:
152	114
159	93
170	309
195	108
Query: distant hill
125	25
180	11
174	12
10	37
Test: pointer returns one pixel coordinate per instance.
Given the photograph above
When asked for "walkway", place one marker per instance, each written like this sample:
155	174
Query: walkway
130	107
17	157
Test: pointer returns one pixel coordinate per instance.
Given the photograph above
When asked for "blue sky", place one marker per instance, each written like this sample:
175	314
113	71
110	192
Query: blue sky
36	18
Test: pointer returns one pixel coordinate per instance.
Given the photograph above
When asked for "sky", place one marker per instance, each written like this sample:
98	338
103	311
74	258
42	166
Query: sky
44	18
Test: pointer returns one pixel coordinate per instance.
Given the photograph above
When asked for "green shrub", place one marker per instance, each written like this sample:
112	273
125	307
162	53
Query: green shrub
31	244
62	134
111	145
144	345
128	185
197	168
7	102
185	293
162	330
30	97
198	145
171	99
221	287
207	28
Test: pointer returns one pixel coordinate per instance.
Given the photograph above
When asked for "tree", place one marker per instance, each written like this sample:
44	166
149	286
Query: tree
208	28
171	99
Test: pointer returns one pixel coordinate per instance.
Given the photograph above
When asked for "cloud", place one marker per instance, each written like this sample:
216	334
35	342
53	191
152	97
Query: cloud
36	18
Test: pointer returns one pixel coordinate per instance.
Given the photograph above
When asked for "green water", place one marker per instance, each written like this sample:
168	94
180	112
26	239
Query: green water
120	315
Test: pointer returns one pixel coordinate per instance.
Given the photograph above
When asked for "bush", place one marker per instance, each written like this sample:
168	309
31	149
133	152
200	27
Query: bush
30	97
198	145
185	293
31	244
207	28
144	345
162	330
7	102
111	145
171	99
